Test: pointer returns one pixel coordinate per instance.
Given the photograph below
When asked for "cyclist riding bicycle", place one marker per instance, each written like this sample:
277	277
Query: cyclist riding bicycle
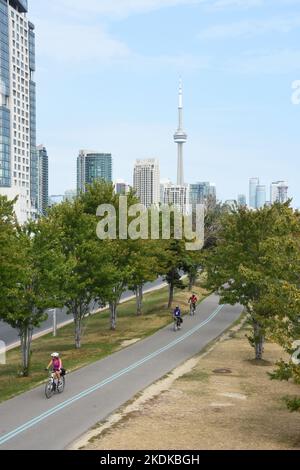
177	315
56	365
193	302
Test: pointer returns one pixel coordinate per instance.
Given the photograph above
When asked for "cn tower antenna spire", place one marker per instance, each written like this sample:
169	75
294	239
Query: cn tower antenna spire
180	94
180	138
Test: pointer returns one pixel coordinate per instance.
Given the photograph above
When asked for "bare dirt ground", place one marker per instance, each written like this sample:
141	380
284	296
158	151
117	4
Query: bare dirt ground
197	408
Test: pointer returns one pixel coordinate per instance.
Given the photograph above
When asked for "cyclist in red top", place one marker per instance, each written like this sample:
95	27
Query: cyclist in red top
193	303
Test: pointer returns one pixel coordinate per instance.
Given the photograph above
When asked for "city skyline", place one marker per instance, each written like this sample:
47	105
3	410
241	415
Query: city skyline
240	117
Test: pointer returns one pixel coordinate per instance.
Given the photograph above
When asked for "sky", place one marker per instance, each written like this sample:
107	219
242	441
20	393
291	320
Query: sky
107	80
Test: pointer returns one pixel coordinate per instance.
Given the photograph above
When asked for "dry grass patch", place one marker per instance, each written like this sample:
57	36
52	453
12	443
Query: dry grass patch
207	410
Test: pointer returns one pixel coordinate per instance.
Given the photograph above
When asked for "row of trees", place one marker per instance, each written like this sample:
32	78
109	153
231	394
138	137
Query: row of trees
251	258
256	262
59	261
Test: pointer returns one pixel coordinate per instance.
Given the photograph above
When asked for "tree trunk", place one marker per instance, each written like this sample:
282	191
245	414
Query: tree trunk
171	295
77	322
258	342
26	338
113	315
192	281
139	300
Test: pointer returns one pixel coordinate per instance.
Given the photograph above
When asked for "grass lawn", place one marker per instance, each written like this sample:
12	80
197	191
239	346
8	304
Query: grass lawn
98	340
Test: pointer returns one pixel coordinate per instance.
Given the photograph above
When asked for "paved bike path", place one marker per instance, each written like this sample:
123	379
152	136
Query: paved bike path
31	422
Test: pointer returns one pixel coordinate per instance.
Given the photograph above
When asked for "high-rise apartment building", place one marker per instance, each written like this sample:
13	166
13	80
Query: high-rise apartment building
177	196
279	192
18	156
146	181
261	196
92	166
43	179
254	182
163	185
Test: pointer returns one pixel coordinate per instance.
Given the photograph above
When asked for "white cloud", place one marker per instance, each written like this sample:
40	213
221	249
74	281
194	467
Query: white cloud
72	43
78	43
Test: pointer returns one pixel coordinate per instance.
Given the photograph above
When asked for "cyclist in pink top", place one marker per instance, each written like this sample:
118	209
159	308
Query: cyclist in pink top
56	364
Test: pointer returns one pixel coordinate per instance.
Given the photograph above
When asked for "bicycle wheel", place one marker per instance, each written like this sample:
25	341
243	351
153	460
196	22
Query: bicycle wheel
61	385
49	390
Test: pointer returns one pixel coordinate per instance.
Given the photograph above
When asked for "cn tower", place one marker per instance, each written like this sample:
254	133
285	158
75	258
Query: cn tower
180	138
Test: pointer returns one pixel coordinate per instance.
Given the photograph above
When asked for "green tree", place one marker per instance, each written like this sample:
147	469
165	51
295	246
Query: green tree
85	264
32	285
117	254
8	266
237	265
144	264
212	223
172	263
118	273
97	193
282	299
193	261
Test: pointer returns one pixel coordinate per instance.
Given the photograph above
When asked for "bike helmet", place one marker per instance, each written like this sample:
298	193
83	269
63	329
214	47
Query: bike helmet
55	354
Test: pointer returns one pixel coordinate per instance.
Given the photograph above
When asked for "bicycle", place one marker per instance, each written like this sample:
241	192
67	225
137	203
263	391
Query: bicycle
177	323
192	309
53	387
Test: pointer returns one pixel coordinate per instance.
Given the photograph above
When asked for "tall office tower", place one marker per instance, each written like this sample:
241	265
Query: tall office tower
260	196
180	138
43	179
279	192
92	166
253	183
146	181
242	200
18	156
